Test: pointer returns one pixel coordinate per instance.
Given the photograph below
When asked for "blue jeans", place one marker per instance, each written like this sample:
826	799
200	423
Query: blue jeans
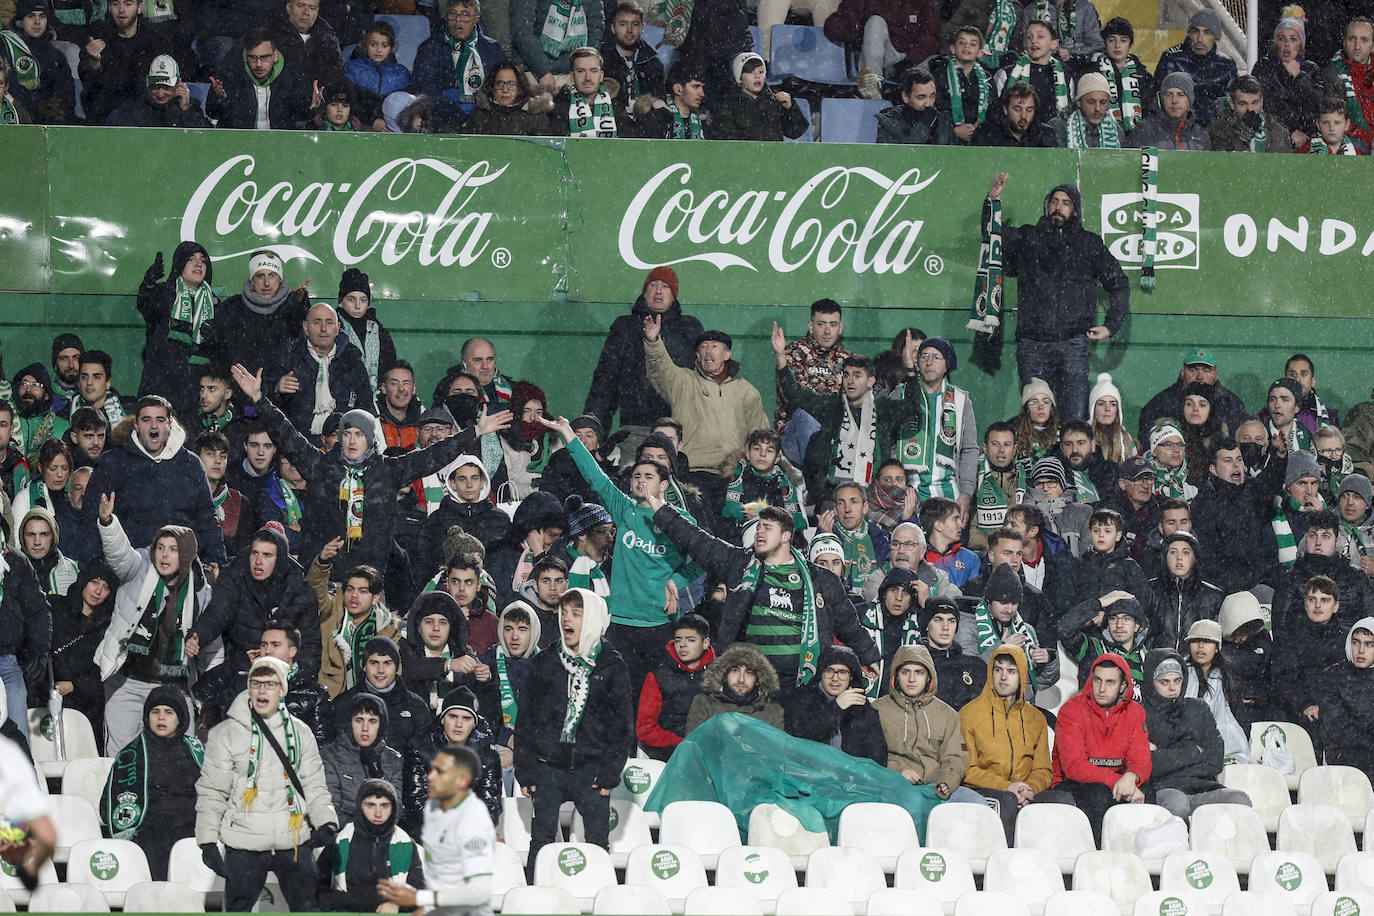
16	693
1063	364
796	435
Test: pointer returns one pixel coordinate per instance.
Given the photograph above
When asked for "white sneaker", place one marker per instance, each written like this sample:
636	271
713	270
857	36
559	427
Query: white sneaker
869	84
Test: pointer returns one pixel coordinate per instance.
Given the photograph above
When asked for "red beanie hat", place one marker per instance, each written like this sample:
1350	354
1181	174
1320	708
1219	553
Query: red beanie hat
666	274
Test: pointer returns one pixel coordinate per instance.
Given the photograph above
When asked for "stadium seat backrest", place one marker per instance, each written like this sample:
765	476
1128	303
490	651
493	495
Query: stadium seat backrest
1290	737
508	871
637	780
1031	874
411	32
544	901
1120	875
1170	903
1266	787
76	728
850	120
630	900
68	898
111	866
1296	876
1341	787
902	901
675	871
805	108
1234	831
1210	875
1079	903
804	52
629	829
763	871
942	873
813	901
720	901
1321	830
9	880
7	904
86	777
1343	903
972	830
517	817
581	869
185	866
163	897
704	826
1122	824
1355	872
853	872
770	825
884	829
1062	831
991	903
75	821
1252	903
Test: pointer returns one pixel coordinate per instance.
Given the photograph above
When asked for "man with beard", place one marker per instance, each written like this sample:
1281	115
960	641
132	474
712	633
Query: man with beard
116	58
1230	515
1091	476
246	329
87	436
35	420
1001	483
1013	123
66	353
1059	265
816	363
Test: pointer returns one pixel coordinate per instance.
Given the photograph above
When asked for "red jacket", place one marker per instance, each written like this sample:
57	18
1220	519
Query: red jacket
1092	744
683	684
913	26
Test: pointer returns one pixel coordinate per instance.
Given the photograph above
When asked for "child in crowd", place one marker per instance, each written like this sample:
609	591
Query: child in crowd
762	478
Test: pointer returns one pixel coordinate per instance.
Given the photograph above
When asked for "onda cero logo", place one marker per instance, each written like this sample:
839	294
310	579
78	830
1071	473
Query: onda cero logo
1177	235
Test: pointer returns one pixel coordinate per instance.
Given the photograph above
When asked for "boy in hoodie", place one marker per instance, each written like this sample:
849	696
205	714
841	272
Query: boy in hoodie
1348	702
924	740
577	729
463	579
1007	739
893	621
150	796
501	675
407	713
359	753
457	724
435	656
1306	653
1186	751
1116	624
739	680
370	848
671	687
1101	749
1249	649
835	709
539	522
959	675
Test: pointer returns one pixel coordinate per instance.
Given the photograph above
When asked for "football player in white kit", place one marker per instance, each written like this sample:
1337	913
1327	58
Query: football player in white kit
458	840
23	803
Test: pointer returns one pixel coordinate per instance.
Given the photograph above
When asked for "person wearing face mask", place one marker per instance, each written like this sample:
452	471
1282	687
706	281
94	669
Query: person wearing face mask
1254	440
527	445
366	518
1050	494
1231	516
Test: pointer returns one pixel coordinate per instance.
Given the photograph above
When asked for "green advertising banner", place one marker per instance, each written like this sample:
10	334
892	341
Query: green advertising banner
472	218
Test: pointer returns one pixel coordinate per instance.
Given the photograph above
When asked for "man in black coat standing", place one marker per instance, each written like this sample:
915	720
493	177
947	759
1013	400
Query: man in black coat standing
1059	264
1231	513
308	42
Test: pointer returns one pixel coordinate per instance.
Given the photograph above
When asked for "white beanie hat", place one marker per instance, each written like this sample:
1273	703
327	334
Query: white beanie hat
265	260
1091	81
1036	387
1105	388
737	64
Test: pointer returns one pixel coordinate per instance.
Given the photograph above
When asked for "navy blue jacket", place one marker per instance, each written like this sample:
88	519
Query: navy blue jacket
434	71
348	380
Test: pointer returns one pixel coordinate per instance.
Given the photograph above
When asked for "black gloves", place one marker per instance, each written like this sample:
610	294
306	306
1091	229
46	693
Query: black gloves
154	273
209	854
321	837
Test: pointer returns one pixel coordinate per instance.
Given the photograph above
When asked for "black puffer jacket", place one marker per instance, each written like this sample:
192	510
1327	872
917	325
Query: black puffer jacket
308	700
1176	604
1347	706
762	117
422	672
1302	664
1058	270
1357	596
620	380
406	713
347	766
1230	521
166	363
1095	574
25	619
74	638
238	334
142	111
811	713
1187	751
420	753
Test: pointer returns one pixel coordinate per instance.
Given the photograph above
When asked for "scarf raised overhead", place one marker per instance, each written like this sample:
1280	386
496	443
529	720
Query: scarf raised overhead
985	314
565	28
1001	23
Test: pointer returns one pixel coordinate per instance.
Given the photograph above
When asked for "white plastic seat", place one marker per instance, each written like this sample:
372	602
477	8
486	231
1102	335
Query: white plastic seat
674	871
1030	874
1340	787
720	901
761	871
1343	903
7	904
1369	831
637	780
1257	903
770	825
902	901
1079	903
1293	737
543	901
630	900
68	898
1122	823
77	730
185	866
1170	903
1295	876
943	874
1355	872
1210	875
975	832
1062	831
884	829
517	816
1119	875
270	898
990	903
163	897
86	777
578	868
812	901
1321	830
706	827
1266	787
110	866
629	829
75	821
1234	831
508	871
853	873
9	880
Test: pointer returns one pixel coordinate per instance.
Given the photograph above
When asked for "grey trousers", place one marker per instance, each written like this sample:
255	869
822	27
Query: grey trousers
1183	804
124	697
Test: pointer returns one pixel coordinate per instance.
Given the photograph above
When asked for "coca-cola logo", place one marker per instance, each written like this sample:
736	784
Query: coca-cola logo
842	217
406	208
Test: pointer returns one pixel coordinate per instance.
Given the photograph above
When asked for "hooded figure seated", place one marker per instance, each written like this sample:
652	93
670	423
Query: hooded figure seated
924	740
359	753
835	710
370	848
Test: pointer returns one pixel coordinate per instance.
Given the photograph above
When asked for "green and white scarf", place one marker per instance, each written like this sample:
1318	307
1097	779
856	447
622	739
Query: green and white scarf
218	500
9	113
1319	147
400	854
329	127
1001	23
256	762
579	688
291	505
191	308
1149	202
1125	96
26	71
370	346
126	788
1068	18
809	652
985	314
873	622
1021	73
859	554
1170	483
988	635
1283	529
1084	488
1299	439
351	495
853	452
209	421
510	709
173	663
930	452
586	573
160	10
1320	409
468	72
565	28
591	119
1259	141
991	502
353	638
688	128
1352	101
1108	132
956	96
733	508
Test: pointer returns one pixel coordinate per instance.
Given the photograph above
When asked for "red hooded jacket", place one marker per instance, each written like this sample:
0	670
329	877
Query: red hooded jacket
1092	744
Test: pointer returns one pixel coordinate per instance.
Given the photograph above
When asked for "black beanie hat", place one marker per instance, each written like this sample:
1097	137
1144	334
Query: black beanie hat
936	604
66	341
382	645
1004	585
355	281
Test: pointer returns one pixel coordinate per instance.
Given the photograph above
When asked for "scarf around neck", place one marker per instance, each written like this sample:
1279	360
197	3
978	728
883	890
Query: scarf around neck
956	93
990	633
1021	73
591	118
874	621
810	648
1125	96
852	455
291	744
352	640
126	790
1169	482
1352	101
776	477
579	688
1319	147
468	72
156	599
1283	529
191	308
991	500
688	128
510	709
1108	133
324	397
369	344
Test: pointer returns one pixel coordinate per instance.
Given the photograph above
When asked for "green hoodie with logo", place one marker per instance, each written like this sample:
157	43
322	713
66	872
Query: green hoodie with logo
645	559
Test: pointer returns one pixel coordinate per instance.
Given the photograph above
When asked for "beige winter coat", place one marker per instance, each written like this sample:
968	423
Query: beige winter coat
715	416
922	734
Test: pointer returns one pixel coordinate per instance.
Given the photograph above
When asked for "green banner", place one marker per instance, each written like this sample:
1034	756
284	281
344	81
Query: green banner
470	218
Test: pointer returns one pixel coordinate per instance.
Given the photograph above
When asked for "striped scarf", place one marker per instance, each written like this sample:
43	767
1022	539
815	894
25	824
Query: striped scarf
1067	10
1001	23
1108	132
191	308
991	633
956	93
256	761
351	498
1352	101
985	314
810	648
25	67
1169	482
1149	200
1319	147
1283	529
579	688
1125	97
1021	73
